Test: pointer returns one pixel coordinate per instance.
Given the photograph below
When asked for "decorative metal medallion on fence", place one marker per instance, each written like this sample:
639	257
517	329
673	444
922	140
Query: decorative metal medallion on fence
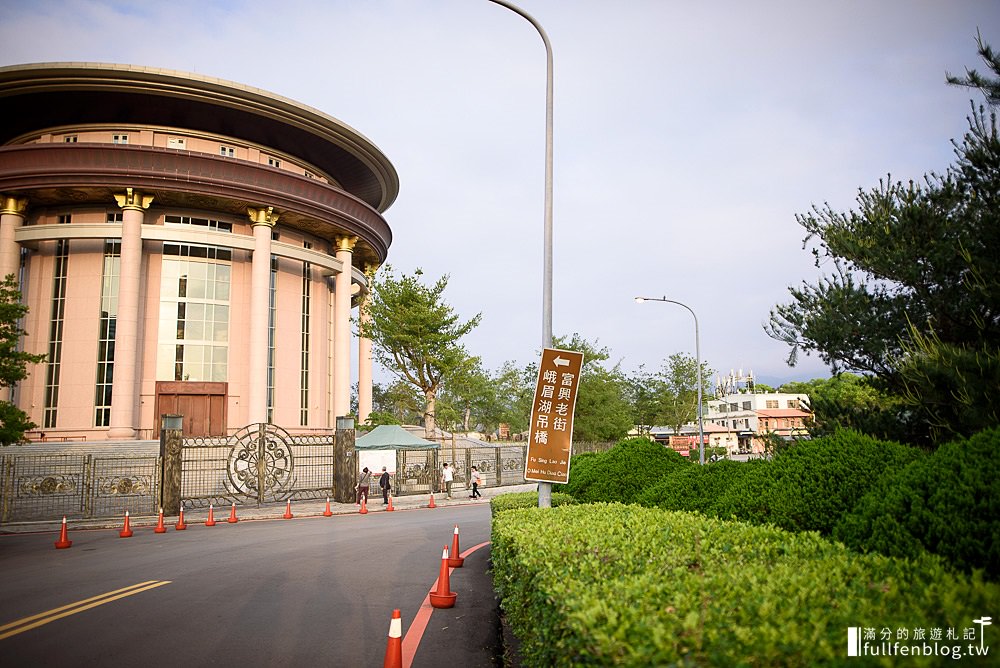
260	463
79	486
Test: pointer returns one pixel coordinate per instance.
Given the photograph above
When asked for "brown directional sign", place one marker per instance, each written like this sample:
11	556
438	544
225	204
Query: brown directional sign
550	439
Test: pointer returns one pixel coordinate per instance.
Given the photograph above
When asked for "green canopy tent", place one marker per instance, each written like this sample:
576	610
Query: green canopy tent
393	437
381	447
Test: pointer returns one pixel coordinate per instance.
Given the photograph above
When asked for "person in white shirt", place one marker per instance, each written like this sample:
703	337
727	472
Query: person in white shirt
447	474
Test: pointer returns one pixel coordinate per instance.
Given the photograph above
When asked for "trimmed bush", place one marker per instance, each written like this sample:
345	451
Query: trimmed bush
694	488
947	503
621	473
815	483
602	585
515	500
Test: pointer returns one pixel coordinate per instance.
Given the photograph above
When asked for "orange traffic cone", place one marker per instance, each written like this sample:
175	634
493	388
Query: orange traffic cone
159	524
454	560
327	512
232	515
431	504
288	510
210	522
126	531
394	647
63	541
443	597
364	504
390	508
180	526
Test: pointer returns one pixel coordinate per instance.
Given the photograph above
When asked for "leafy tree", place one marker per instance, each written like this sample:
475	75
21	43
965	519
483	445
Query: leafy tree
989	87
415	334
13	362
859	403
513	391
642	392
602	414
400	400
467	397
913	286
678	386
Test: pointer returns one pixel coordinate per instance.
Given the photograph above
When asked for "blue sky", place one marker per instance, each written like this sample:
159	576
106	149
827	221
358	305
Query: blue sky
687	137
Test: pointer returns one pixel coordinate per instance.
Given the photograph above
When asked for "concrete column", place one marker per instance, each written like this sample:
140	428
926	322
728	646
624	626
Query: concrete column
11	217
365	355
342	329
124	386
263	221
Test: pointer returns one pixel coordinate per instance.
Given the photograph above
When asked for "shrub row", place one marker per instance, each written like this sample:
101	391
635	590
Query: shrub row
808	487
947	503
621	473
630	586
515	500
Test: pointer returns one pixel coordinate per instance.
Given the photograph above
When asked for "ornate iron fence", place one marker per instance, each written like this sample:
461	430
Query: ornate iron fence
419	471
260	463
79	486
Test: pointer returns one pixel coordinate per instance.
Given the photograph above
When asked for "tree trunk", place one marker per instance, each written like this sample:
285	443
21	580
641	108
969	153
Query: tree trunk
431	398
468	416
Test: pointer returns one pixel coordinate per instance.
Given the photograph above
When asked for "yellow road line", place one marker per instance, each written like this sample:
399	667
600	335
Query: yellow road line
42	618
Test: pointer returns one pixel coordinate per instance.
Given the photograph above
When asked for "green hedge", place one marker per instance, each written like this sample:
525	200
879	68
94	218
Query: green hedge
947	503
817	482
695	488
808	487
515	500
602	585
621	473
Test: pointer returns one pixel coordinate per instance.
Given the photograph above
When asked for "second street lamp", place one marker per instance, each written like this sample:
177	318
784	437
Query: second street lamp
697	353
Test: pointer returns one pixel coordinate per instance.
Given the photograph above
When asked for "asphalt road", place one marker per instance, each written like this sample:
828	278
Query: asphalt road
309	591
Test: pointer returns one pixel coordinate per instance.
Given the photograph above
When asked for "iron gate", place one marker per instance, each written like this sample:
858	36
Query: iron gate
261	463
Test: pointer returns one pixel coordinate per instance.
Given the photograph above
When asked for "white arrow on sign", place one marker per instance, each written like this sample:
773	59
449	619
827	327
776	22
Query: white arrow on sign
559	361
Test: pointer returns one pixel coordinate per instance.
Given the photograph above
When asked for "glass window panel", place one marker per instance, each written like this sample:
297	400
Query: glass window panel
195	330
219	373
220	354
195	311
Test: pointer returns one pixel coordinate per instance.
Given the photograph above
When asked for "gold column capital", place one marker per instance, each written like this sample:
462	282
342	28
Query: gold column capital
17	206
344	242
133	199
370	269
262	216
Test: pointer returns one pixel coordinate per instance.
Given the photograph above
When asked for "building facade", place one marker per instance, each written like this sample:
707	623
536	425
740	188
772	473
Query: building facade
751	415
185	245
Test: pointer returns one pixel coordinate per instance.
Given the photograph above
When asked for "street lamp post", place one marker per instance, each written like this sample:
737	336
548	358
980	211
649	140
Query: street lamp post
544	488
697	353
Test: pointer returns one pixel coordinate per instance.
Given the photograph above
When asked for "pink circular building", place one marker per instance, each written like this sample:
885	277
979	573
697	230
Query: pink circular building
186	245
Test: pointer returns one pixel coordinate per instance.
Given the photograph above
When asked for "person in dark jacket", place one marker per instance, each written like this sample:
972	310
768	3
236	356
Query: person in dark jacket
385	486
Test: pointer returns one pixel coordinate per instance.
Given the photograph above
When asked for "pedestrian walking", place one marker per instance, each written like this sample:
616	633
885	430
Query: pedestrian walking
364	483
477	480
385	486
447	474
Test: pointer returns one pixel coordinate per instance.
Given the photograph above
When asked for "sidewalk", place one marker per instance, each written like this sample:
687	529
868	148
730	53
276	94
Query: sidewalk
307	508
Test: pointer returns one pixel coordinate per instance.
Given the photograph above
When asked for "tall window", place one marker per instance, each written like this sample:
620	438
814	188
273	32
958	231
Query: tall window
304	366
56	333
106	332
270	339
194	313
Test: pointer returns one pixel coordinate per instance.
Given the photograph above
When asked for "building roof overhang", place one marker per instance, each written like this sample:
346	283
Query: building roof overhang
44	95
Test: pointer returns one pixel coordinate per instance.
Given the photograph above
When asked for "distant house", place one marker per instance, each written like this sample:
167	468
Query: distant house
716	436
752	416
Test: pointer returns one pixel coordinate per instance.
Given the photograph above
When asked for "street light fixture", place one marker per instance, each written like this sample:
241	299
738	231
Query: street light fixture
544	488
697	353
